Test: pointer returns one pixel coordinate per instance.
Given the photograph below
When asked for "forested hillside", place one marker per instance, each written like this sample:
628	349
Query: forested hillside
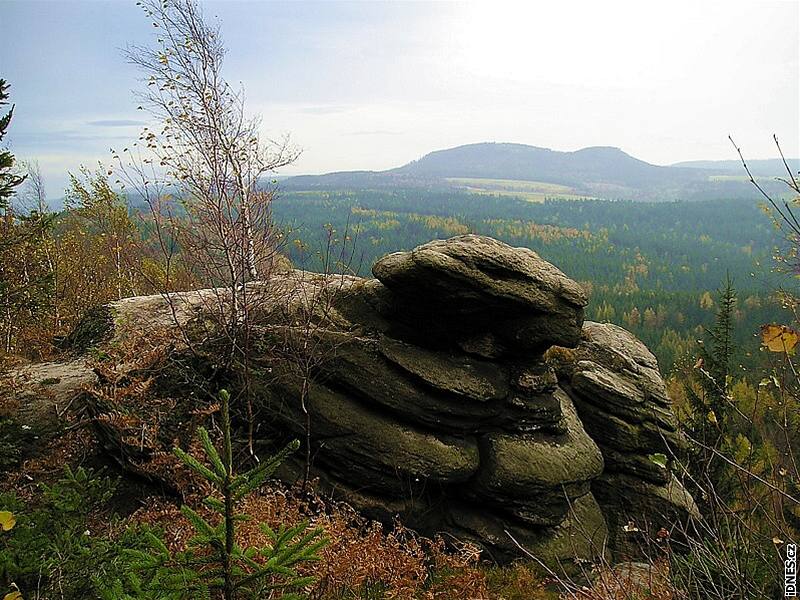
598	172
652	268
495	371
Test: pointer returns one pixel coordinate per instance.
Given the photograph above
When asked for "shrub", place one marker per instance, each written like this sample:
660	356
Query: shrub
213	562
52	549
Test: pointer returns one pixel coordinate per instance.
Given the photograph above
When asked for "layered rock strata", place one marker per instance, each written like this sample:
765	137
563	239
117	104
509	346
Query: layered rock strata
432	396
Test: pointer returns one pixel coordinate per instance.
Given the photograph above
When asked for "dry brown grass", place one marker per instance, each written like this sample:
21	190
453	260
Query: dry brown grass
71	448
362	559
631	581
518	581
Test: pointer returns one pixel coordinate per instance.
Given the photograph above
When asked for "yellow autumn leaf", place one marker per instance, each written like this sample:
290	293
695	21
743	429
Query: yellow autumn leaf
7	520
779	338
13	596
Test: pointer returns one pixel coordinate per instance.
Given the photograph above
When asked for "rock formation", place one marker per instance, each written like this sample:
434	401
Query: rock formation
615	384
435	396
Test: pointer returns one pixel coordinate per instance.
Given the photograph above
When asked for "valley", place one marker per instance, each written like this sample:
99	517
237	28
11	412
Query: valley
651	267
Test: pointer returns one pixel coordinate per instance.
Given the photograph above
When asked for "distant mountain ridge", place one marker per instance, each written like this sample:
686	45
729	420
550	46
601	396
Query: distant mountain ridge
598	164
770	167
599	171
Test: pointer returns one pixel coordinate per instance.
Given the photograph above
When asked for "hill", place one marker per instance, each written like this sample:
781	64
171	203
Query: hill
600	165
770	167
601	171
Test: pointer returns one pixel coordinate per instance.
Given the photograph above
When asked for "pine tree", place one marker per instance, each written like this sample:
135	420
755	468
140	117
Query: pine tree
707	392
717	358
214	564
8	178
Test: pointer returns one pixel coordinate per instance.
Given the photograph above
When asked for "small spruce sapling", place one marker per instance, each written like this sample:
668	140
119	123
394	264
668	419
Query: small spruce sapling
214	563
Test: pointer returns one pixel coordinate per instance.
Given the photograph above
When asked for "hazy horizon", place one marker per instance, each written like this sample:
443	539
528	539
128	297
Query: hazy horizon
376	85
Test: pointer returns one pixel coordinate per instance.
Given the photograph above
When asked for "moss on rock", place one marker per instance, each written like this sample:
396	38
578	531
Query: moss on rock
96	326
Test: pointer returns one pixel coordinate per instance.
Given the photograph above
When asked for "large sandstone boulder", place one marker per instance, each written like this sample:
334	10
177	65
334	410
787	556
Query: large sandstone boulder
430	396
35	400
534	476
580	537
615	384
486	285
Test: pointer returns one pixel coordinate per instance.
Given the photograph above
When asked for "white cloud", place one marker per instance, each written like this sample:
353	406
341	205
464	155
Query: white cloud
375	85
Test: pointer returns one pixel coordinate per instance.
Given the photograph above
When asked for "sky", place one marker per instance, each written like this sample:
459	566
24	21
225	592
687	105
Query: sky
374	85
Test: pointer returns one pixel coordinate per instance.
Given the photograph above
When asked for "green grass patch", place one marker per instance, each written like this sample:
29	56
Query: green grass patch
532	191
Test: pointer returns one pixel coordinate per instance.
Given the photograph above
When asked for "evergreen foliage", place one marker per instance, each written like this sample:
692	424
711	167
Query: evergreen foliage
741	467
25	287
716	353
649	267
214	563
52	548
708	391
9	179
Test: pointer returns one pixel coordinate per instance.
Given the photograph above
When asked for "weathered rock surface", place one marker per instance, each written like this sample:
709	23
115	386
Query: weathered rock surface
614	382
580	536
373	451
528	301
35	399
430	397
535	476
